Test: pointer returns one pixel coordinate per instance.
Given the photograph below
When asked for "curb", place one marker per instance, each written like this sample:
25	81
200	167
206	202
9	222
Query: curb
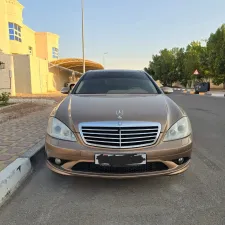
216	94
189	92
205	94
9	106
179	89
15	173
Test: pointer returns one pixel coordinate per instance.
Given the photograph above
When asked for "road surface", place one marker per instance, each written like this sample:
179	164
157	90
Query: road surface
195	197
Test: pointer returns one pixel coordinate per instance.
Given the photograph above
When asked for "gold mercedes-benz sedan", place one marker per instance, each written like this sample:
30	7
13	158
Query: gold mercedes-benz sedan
118	124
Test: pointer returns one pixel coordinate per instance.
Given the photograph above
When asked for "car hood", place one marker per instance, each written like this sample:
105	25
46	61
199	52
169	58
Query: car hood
84	108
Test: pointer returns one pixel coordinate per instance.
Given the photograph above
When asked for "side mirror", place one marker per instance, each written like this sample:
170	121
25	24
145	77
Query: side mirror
65	90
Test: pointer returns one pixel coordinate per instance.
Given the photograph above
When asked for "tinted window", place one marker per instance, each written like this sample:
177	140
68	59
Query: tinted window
116	83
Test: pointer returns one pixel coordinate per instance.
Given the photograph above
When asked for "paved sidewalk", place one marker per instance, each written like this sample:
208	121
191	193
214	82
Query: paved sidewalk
18	135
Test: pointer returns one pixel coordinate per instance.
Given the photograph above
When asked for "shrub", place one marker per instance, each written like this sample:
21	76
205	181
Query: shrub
4	98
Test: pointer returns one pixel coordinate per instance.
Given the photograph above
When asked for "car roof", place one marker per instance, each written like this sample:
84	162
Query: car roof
114	70
114	73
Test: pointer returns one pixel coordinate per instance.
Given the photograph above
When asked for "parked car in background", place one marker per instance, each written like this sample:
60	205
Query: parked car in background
70	85
167	90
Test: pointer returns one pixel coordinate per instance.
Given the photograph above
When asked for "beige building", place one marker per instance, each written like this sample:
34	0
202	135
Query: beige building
24	53
28	59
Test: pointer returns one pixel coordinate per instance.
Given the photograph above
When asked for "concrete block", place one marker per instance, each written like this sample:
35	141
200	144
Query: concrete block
12	176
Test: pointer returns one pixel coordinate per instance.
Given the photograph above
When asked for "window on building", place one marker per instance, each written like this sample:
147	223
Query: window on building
15	32
30	49
55	53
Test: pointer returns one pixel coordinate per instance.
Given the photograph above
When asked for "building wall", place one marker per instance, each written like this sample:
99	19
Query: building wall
22	73
14	15
57	78
45	41
53	42
39	75
32	75
31	52
43	80
5	85
11	11
4	37
41	45
15	11
28	40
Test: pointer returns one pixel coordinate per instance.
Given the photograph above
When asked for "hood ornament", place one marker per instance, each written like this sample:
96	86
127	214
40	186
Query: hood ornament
119	114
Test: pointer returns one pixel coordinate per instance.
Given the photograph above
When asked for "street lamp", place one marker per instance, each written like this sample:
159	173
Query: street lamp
82	9
104	58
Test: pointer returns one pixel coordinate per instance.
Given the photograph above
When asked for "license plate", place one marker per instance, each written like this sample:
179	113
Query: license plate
120	159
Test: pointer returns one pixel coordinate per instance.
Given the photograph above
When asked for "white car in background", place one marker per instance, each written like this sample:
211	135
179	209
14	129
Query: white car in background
167	90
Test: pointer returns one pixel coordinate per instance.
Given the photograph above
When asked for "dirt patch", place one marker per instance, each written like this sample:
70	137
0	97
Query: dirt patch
19	110
57	99
57	96
25	108
3	105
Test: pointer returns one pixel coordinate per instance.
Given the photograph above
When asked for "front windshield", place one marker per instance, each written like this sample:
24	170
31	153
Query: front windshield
116	83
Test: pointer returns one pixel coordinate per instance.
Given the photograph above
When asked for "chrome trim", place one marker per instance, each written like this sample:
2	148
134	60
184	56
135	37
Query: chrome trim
120	134
119	124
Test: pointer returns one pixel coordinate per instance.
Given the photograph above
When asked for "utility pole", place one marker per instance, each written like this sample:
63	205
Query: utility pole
82	9
104	58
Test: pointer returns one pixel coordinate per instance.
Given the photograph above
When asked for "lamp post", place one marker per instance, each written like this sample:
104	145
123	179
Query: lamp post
82	9
104	58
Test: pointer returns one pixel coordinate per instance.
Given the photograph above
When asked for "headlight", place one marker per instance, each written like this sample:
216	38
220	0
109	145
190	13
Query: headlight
181	129
59	130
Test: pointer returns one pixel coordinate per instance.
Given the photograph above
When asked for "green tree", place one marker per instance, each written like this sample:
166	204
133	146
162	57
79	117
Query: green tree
167	66
196	57
179	56
216	55
149	70
178	64
164	67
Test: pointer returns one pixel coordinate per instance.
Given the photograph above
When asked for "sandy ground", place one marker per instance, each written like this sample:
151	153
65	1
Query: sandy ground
22	109
19	110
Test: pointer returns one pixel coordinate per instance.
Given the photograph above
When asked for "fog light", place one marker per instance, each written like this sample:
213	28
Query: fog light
58	161
180	161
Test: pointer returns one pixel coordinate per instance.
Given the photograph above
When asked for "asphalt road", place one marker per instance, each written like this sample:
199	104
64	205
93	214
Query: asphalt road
195	197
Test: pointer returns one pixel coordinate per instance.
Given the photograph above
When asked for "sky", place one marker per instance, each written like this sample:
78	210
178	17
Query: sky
131	31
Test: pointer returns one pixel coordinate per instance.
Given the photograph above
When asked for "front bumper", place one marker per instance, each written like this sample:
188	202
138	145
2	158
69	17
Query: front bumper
78	159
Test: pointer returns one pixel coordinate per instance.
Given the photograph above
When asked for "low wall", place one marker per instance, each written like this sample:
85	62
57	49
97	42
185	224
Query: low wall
213	86
39	75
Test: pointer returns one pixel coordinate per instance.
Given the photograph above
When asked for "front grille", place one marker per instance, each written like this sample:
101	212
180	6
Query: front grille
120	134
92	167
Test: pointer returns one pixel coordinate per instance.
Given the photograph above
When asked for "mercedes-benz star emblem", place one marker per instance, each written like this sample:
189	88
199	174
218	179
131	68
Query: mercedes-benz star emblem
119	114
